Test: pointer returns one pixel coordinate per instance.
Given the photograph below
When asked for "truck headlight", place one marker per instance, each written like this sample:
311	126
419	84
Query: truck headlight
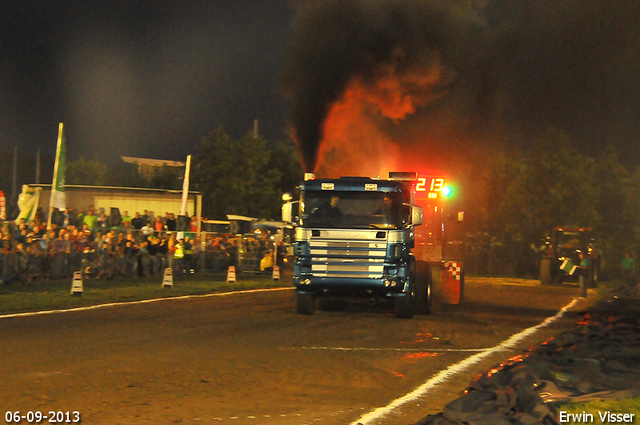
388	283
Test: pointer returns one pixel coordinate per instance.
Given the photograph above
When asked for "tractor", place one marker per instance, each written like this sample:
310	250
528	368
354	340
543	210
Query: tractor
569	252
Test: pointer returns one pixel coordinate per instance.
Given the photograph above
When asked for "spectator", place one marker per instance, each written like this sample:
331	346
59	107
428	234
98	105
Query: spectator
171	223
146	230
152	248
159	224
145	217
281	254
188	252
57	217
178	256
628	267
73	216
163	249
136	221
126	220
65	218
266	264
80	217
55	229
194	224
90	221
101	222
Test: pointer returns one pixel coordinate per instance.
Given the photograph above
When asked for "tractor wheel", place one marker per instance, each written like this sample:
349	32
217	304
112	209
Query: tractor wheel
546	277
594	274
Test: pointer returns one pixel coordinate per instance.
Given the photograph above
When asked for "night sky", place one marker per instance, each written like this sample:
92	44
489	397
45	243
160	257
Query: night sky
139	78
151	78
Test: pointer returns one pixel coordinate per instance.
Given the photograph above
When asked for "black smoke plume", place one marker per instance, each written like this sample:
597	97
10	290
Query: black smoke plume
512	69
337	40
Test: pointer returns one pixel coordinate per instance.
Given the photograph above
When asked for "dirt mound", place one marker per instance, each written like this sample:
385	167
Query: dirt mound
597	360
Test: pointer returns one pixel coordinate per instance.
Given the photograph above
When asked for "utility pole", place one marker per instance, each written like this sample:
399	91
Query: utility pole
14	193
38	166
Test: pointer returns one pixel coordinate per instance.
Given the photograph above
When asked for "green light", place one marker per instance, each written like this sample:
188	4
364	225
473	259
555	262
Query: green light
446	191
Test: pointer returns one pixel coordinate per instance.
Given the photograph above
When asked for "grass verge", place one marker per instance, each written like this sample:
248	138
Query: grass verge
56	294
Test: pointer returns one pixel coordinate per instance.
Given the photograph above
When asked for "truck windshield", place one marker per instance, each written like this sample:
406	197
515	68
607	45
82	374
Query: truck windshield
362	210
570	240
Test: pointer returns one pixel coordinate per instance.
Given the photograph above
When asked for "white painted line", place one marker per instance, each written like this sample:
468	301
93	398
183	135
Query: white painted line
412	350
183	297
443	375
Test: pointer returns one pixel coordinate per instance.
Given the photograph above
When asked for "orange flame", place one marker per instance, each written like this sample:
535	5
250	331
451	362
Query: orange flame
358	132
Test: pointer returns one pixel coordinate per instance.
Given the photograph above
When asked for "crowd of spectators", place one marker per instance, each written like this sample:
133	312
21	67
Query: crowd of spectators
105	246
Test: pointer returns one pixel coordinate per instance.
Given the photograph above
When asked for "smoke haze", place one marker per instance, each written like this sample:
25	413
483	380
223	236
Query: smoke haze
370	81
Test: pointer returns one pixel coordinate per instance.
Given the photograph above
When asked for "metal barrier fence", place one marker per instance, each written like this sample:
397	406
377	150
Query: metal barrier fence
113	254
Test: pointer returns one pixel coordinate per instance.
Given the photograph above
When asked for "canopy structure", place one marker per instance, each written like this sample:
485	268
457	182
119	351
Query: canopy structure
146	165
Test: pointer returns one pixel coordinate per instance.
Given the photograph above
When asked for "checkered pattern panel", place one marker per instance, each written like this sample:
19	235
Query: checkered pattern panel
454	268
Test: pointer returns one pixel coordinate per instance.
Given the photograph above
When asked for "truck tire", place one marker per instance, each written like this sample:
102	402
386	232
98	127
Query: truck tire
545	271
428	293
461	287
405	305
424	288
305	303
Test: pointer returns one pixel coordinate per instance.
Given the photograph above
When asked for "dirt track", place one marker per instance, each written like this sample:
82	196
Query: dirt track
249	359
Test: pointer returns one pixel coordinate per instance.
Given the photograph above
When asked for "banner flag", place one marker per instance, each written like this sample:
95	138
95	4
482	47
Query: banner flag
58	199
185	186
28	202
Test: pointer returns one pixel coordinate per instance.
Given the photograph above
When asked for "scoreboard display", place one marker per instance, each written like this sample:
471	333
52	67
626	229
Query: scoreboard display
431	186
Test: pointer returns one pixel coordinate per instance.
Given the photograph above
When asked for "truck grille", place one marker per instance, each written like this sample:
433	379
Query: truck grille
354	259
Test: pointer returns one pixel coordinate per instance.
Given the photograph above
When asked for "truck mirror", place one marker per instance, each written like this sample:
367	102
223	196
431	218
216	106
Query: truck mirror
290	211
416	215
286	212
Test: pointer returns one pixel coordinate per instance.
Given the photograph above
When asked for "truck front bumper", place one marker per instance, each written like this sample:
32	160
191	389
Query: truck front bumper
393	286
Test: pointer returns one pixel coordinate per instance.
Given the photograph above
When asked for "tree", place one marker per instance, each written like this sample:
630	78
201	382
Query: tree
521	197
83	172
243	177
618	207
285	159
165	177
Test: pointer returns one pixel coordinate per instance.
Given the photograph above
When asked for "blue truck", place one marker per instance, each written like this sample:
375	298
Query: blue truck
354	238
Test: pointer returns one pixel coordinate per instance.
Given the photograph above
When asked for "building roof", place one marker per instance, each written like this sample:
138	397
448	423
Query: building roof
152	162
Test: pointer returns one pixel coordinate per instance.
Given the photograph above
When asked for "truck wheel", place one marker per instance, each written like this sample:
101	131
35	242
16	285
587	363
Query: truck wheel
305	303
545	271
405	305
461	287
428	301
556	279
424	288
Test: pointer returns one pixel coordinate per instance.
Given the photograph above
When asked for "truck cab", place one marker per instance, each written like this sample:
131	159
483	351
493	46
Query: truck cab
354	237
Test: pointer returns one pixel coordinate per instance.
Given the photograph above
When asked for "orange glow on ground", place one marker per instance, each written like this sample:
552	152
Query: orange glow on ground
413	357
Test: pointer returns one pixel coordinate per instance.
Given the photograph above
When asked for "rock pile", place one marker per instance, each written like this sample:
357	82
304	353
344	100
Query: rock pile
600	359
